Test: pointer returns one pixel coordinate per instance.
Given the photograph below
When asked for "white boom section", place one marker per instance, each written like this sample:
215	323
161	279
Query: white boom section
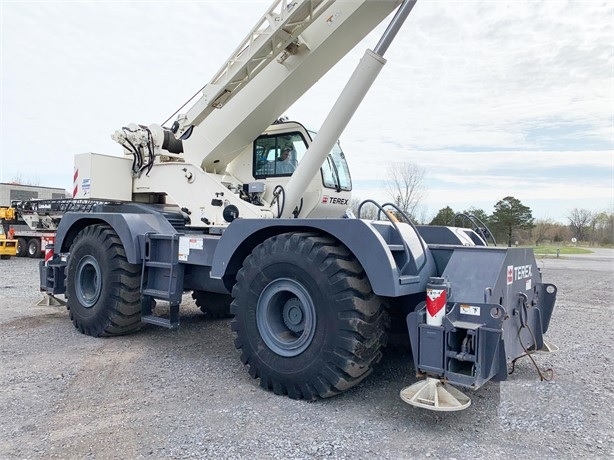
272	36
326	33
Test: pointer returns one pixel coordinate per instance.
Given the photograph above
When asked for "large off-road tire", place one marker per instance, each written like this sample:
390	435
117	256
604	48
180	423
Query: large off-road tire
212	304
306	320
34	248
103	289
22	247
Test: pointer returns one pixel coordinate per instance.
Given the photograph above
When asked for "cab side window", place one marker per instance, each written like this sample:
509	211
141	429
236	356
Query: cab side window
278	155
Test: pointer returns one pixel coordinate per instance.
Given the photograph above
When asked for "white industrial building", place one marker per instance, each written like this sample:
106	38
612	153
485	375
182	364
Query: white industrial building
10	192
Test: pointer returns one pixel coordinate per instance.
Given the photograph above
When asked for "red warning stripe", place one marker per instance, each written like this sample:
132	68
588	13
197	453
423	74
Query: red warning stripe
435	301
74	183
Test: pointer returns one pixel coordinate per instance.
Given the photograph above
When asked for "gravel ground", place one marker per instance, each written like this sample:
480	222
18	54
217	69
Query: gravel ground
185	394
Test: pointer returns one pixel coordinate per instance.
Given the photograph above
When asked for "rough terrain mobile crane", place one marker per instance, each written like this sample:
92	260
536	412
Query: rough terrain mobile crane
207	205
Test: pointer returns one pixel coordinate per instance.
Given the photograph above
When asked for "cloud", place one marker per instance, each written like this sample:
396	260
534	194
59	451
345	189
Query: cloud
475	89
550	183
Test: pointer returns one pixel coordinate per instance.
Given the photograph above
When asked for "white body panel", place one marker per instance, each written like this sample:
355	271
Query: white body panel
102	177
188	186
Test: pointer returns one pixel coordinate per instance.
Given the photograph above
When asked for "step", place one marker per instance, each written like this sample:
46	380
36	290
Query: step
396	247
158	321
157	294
156	264
160	236
409	279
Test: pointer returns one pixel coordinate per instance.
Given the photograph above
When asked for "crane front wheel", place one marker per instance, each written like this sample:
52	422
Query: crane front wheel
306	320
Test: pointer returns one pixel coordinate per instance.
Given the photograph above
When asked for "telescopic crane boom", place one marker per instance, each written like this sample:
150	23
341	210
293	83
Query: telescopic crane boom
292	46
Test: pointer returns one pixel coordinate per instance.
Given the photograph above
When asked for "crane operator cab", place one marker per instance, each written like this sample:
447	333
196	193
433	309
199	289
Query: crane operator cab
275	156
248	177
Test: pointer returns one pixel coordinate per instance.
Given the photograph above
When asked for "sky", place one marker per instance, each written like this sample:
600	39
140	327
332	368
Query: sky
490	98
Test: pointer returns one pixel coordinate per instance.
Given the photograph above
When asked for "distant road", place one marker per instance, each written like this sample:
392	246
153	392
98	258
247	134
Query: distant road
602	259
598	253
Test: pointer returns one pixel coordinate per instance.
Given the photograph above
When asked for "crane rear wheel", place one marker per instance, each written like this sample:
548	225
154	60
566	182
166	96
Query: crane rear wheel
213	304
103	288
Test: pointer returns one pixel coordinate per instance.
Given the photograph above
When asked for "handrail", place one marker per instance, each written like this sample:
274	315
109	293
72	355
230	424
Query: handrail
394	224
477	226
409	221
55	205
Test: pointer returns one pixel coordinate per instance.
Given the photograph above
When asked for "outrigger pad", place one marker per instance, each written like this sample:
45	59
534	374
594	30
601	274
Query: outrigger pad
548	347
50	301
433	394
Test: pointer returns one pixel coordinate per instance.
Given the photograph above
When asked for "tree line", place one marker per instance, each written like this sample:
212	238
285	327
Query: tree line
511	222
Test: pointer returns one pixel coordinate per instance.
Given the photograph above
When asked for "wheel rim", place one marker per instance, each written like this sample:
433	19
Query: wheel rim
88	281
286	317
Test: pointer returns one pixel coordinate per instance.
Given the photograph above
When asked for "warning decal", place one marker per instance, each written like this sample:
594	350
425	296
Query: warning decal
510	274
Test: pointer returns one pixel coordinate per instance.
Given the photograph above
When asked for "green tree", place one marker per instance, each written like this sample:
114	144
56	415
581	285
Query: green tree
511	214
444	216
479	213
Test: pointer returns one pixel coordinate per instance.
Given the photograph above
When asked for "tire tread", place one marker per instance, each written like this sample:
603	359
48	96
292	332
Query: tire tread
361	324
123	313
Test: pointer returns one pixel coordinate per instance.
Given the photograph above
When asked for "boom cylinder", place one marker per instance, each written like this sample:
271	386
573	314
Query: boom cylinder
340	115
350	98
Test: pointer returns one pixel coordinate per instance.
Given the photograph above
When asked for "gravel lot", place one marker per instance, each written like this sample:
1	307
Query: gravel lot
185	394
